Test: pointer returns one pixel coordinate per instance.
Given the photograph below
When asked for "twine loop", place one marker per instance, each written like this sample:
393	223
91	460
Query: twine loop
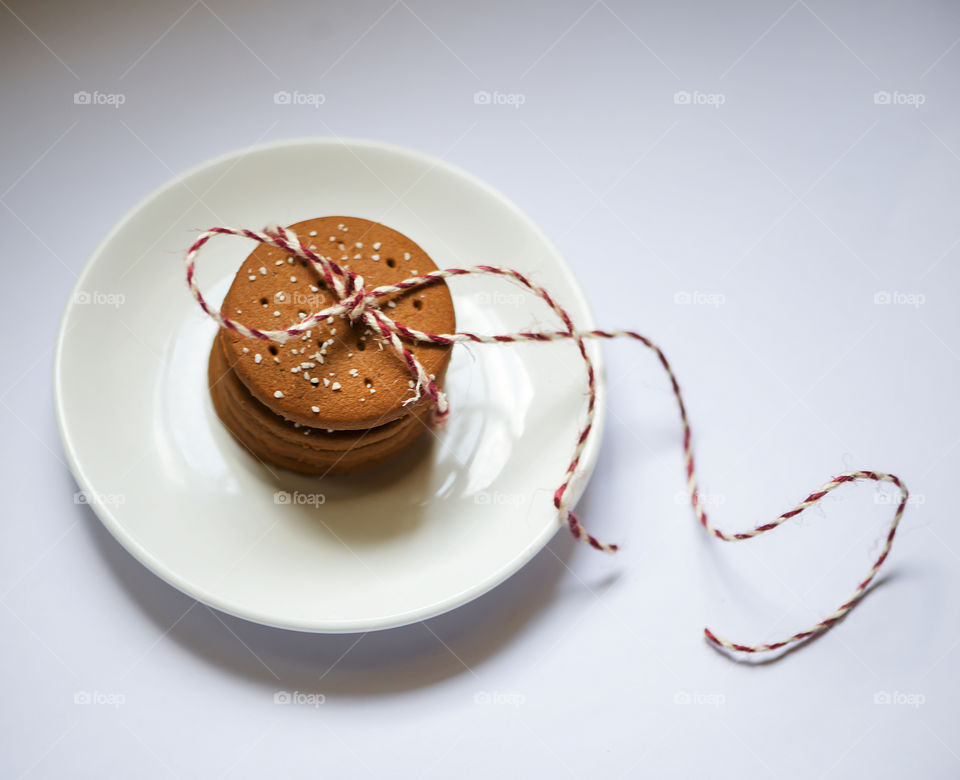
360	305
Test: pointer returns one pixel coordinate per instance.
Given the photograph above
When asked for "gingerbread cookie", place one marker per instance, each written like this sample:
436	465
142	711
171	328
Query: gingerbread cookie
340	369
273	439
332	399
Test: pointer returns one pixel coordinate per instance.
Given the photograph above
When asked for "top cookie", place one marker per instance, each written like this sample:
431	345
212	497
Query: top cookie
336	376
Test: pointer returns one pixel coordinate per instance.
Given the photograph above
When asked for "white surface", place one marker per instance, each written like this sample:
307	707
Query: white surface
798	200
463	510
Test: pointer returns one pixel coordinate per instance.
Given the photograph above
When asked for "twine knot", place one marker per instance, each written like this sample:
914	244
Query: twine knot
356	303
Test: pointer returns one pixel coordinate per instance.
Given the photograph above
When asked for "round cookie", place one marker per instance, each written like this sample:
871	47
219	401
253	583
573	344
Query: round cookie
338	376
275	440
260	420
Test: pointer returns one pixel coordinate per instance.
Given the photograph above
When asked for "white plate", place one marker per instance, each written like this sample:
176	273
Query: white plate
414	538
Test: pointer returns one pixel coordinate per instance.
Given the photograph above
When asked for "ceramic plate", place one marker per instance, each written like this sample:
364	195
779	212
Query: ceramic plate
445	522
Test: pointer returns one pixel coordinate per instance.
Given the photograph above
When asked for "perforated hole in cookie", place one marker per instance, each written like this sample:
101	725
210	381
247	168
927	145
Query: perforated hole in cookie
263	302
273	349
418	304
391	262
361	345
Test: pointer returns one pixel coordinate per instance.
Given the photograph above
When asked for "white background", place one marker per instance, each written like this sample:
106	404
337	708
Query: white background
782	197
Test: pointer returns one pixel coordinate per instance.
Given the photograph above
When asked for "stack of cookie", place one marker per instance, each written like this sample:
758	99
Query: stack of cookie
329	401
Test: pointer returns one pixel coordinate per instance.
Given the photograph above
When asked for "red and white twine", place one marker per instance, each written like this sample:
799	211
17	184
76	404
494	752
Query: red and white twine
360	305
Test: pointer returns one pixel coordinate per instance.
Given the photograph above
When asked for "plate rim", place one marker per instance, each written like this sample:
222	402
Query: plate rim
115	527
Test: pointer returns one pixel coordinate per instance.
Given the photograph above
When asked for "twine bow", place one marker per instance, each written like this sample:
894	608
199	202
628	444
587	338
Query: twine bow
361	305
